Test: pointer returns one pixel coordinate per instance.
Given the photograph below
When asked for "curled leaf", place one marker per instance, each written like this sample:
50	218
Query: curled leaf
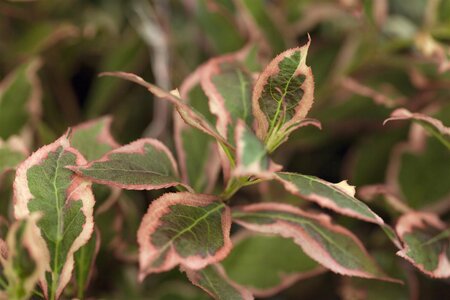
432	125
426	243
188	113
44	184
215	282
183	228
331	245
142	164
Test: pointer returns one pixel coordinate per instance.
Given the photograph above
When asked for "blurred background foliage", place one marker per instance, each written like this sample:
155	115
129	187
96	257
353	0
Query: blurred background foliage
368	57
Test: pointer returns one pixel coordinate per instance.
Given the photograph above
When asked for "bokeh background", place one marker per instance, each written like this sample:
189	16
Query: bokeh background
368	57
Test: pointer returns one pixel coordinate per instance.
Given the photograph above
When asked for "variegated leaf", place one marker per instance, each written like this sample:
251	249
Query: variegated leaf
267	264
197	152
283	95
339	197
143	164
188	113
426	243
331	245
20	96
25	260
44	184
93	138
251	154
228	85
214	281
432	125
183	228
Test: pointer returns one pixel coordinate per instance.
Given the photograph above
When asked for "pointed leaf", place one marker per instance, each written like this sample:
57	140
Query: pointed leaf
214	281
331	245
267	264
93	138
251	154
228	86
432	125
183	228
20	96
283	95
424	244
44	184
85	261
145	164
12	153
188	113
339	197
25	261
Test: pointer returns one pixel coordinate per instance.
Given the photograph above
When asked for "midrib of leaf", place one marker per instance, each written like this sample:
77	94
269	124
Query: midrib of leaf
59	236
296	221
279	102
205	274
189	228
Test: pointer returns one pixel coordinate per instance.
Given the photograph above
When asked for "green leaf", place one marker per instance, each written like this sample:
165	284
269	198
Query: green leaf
251	154
267	264
228	86
183	228
339	197
414	169
12	153
331	245
84	263
20	96
424	244
432	125
213	280
25	260
283	95
143	164
44	184
93	138
196	151
188	113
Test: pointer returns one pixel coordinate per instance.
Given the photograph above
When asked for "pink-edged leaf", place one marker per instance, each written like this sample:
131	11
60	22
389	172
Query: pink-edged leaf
251	154
432	125
188	113
85	262
228	85
215	282
331	245
283	95
44	184
339	197
426	243
23	260
197	152
142	164
93	138
267	264
183	228
20	98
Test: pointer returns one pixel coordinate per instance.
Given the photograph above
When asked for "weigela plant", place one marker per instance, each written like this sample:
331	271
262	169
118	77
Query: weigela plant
55	240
